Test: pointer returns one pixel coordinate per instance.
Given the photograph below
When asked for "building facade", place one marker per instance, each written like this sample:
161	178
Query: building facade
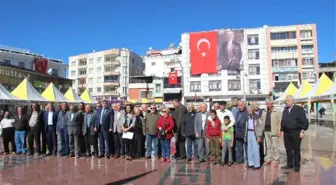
105	73
25	59
271	58
159	64
329	69
292	55
145	89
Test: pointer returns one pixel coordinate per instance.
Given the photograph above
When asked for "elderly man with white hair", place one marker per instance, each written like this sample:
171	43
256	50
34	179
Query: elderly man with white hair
188	130
240	127
271	119
294	123
200	127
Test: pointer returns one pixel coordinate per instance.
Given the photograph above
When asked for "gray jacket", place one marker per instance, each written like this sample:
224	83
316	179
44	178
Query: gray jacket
62	120
75	124
198	122
85	128
258	127
118	121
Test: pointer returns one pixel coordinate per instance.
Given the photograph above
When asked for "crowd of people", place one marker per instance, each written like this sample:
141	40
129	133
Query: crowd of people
217	134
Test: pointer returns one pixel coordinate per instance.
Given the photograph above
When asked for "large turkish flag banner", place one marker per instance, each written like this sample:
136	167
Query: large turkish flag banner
203	52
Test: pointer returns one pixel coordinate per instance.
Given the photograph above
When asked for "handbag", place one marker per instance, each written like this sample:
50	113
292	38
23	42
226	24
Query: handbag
163	131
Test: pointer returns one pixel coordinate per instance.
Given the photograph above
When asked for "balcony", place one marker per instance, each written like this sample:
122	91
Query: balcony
82	63
82	75
112	93
112	63
285	69
111	83
112	72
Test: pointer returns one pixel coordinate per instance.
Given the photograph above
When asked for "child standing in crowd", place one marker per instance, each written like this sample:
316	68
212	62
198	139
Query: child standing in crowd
227	141
214	136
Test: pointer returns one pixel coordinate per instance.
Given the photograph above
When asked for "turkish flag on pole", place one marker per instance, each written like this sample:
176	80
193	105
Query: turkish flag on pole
172	78
203	52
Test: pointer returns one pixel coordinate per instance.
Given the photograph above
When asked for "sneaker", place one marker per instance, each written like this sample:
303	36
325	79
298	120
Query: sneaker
163	159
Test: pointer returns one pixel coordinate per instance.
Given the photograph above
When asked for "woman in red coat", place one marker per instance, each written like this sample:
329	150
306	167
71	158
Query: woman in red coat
165	125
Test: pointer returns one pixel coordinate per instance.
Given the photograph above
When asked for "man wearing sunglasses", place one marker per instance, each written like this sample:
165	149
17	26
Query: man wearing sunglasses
151	131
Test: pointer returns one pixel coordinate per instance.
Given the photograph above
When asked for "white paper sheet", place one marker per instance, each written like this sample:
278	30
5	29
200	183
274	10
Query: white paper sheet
128	135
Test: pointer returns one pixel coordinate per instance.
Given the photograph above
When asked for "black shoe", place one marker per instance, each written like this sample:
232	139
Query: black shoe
29	154
48	154
55	154
187	160
88	155
230	163
38	154
100	156
222	163
108	157
287	167
296	170
201	161
257	168
250	166
71	155
62	155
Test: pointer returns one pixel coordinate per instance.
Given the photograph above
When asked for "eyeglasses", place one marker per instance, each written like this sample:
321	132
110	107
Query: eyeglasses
164	111
152	108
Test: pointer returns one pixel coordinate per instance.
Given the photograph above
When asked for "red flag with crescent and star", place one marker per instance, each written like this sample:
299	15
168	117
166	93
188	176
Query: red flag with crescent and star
172	78
203	52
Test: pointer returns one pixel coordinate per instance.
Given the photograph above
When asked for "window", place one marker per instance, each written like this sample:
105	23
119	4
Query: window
21	64
82	72
253	54
289	77
90	90
82	63
73	63
125	69
99	70
284	49
307	48
133	61
157	88
284	63
215	85
295	76
113	78
195	86
110	89
73	73
234	85
125	79
252	40
90	80
55	72
254	69
90	70
282	77
99	59
98	89
124	59
307	61
283	35
7	62
306	34
304	75
99	79
153	63
91	61
232	73
146	94
254	84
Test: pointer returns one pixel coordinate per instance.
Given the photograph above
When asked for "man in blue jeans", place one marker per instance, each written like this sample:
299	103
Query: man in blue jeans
151	131
21	127
188	131
62	129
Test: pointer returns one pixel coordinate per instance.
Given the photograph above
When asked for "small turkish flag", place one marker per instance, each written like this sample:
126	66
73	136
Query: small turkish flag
203	52
172	78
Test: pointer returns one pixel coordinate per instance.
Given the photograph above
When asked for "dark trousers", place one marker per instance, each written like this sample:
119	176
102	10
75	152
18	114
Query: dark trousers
74	143
91	140
8	136
44	140
138	144
118	144
180	146
292	143
239	150
34	135
104	142
51	139
129	146
64	136
111	142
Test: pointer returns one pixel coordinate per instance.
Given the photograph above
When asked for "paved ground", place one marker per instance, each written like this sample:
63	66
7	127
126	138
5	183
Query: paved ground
319	167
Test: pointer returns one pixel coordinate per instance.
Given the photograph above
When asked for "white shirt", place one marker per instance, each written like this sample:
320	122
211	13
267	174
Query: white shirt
204	119
50	118
33	119
222	114
7	123
250	123
71	116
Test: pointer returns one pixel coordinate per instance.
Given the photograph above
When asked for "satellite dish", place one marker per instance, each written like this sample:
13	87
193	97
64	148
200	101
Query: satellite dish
49	71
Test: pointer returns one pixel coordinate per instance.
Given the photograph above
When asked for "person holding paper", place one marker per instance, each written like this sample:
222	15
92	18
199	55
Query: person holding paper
128	131
165	125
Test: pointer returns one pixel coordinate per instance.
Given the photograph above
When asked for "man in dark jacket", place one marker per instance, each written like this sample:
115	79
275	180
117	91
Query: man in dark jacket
294	123
188	131
35	124
75	122
62	129
178	114
240	126
90	136
21	127
50	125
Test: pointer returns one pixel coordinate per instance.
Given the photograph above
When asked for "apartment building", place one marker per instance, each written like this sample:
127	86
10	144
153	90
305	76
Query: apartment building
24	59
159	64
292	55
105	73
249	81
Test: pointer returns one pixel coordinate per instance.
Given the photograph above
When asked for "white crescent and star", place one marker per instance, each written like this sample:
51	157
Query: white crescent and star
200	42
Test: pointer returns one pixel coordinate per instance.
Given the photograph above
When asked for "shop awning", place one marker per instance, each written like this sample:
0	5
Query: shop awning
51	93
86	96
26	91
72	96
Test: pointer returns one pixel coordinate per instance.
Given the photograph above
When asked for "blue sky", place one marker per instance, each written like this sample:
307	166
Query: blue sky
64	28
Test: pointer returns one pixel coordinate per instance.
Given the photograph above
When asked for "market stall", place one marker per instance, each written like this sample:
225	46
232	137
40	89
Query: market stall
51	93
72	96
